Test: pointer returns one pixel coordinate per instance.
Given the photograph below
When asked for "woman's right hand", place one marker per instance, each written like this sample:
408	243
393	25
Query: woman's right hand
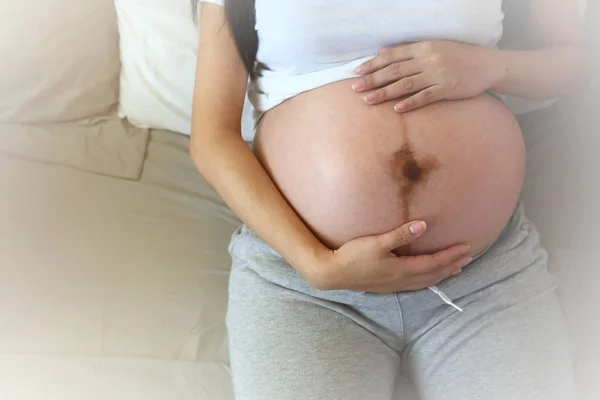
368	265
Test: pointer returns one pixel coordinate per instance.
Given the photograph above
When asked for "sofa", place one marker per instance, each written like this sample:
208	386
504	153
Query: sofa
113	248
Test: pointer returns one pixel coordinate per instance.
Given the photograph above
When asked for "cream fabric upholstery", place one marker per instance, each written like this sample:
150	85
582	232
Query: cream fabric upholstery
112	289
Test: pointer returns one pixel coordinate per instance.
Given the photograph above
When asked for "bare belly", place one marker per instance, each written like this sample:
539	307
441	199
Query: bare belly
350	170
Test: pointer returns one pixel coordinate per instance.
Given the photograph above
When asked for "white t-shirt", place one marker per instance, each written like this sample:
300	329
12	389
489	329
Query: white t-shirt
306	44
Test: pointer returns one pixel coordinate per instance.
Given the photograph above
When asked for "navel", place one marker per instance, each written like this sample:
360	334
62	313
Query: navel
412	171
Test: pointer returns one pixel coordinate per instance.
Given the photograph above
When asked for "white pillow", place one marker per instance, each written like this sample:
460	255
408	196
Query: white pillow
159	44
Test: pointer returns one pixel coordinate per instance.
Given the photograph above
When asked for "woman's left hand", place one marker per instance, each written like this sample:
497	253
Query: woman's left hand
429	71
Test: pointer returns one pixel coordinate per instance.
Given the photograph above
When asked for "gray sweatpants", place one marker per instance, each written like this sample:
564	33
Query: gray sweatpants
290	341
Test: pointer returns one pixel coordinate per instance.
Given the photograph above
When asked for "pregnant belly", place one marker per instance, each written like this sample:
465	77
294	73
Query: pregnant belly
351	170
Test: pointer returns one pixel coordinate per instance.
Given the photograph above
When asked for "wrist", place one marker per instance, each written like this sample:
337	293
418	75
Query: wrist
317	266
496	66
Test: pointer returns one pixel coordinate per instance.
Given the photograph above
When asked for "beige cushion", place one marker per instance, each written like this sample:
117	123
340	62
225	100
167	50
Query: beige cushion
59	60
107	146
59	69
110	288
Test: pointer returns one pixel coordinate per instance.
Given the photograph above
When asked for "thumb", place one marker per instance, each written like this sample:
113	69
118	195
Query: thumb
402	236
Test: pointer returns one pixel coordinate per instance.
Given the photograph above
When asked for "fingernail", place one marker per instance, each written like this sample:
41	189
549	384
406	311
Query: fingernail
360	69
399	107
417	228
457	272
467	262
360	85
371	97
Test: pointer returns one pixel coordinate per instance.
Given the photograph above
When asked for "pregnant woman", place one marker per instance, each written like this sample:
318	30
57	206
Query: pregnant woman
384	164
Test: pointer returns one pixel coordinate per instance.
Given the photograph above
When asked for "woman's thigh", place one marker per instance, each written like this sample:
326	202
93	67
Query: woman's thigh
285	344
510	344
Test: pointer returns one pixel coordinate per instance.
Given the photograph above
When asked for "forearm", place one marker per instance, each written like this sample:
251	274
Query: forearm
541	74
234	171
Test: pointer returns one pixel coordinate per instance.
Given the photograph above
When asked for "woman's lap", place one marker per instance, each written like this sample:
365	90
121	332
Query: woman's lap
510	343
288	345
288	340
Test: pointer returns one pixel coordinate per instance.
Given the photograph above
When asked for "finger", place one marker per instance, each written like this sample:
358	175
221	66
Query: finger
390	74
432	264
386	56
403	87
421	99
448	271
401	236
419	280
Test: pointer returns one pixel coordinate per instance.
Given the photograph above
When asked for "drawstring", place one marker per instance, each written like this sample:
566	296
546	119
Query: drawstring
444	298
441	294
